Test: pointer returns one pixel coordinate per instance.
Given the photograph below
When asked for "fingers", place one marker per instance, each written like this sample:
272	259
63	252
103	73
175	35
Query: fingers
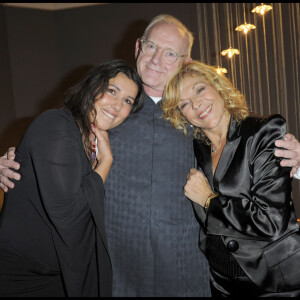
3	187
11	153
285	153
289	142
289	145
6	163
192	171
293	171
289	163
291	152
5	183
289	137
6	174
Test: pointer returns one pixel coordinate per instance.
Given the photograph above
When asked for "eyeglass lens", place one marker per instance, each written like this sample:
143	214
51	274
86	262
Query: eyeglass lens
150	48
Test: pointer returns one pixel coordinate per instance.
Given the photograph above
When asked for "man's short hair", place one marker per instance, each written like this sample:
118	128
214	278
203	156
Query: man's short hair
164	18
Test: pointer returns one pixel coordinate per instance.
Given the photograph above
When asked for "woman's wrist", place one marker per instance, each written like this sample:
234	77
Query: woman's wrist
103	169
208	199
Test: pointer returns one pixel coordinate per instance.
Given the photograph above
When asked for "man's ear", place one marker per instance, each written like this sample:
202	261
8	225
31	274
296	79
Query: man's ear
137	47
188	59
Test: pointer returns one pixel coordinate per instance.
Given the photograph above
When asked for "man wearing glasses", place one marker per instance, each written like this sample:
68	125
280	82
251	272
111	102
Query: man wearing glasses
151	227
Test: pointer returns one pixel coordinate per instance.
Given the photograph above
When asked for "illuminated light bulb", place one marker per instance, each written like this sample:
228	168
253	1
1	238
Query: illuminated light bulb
221	71
261	9
245	27
230	52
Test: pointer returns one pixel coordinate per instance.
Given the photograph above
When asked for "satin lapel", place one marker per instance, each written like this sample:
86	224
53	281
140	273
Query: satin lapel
233	140
225	159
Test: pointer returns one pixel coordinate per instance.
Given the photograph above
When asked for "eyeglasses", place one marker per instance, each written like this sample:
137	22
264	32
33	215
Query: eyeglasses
169	56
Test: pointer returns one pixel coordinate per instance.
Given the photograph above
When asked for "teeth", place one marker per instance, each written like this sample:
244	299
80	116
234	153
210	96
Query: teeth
205	112
108	114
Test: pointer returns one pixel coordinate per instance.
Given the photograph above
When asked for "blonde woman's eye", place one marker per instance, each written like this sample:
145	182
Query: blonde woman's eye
182	106
200	90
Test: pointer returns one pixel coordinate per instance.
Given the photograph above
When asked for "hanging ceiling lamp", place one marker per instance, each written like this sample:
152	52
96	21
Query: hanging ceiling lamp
230	52
221	71
261	9
245	27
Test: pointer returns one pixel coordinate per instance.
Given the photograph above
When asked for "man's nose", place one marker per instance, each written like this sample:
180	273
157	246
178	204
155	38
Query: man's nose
156	58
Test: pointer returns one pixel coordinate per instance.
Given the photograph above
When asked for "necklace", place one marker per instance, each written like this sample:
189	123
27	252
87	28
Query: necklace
213	147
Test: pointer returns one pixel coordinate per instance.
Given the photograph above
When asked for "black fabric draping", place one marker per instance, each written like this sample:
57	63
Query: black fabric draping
47	231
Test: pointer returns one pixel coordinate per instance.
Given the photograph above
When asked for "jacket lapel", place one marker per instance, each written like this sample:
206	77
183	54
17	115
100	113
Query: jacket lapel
233	140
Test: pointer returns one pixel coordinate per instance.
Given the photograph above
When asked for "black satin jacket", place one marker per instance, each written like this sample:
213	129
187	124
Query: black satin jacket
254	212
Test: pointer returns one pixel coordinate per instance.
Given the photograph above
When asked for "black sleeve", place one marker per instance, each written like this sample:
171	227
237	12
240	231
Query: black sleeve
56	152
266	212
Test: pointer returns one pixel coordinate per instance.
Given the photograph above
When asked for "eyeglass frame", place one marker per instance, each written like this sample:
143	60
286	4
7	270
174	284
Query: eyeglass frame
178	56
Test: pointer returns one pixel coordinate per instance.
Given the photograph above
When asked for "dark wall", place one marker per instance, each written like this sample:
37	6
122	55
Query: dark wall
45	52
42	53
7	111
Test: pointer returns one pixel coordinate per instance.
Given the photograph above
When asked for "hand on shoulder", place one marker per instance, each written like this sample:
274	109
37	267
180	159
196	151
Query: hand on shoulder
6	164
290	151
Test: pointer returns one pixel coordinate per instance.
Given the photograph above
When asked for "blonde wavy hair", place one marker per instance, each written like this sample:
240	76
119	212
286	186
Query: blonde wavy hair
234	100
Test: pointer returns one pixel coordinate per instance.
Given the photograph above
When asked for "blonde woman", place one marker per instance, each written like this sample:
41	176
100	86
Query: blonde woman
242	197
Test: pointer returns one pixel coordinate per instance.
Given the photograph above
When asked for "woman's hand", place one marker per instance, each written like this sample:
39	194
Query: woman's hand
197	187
104	155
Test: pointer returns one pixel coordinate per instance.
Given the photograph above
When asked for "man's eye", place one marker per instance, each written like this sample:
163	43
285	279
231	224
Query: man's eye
151	46
171	54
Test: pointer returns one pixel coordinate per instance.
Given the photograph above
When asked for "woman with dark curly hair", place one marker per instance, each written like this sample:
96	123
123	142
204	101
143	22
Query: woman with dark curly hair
241	195
52	235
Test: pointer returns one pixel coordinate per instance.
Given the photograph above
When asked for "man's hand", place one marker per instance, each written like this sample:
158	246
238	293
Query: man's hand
291	152
7	162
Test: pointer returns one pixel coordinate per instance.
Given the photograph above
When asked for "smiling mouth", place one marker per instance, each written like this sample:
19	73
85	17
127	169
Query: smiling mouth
153	70
205	112
108	114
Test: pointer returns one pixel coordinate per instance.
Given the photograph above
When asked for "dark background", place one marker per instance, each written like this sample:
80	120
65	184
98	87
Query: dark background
43	52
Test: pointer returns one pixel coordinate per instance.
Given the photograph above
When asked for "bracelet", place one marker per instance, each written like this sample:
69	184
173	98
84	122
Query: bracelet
207	202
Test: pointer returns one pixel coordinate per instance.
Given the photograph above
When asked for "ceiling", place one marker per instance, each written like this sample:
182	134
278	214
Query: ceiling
49	6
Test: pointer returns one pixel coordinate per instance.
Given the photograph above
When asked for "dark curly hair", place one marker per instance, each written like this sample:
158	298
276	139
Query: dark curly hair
80	99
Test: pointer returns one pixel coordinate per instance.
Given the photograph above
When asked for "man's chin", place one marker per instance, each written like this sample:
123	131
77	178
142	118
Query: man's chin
153	90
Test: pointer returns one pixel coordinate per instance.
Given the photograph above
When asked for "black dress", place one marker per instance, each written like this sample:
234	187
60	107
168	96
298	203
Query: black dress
52	237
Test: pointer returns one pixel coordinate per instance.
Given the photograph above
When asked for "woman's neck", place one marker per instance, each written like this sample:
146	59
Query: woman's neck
217	134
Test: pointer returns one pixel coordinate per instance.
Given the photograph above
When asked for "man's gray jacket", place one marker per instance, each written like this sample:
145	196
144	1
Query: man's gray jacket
151	227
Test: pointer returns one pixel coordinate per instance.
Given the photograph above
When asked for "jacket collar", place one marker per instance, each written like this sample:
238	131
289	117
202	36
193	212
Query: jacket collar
204	155
233	130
